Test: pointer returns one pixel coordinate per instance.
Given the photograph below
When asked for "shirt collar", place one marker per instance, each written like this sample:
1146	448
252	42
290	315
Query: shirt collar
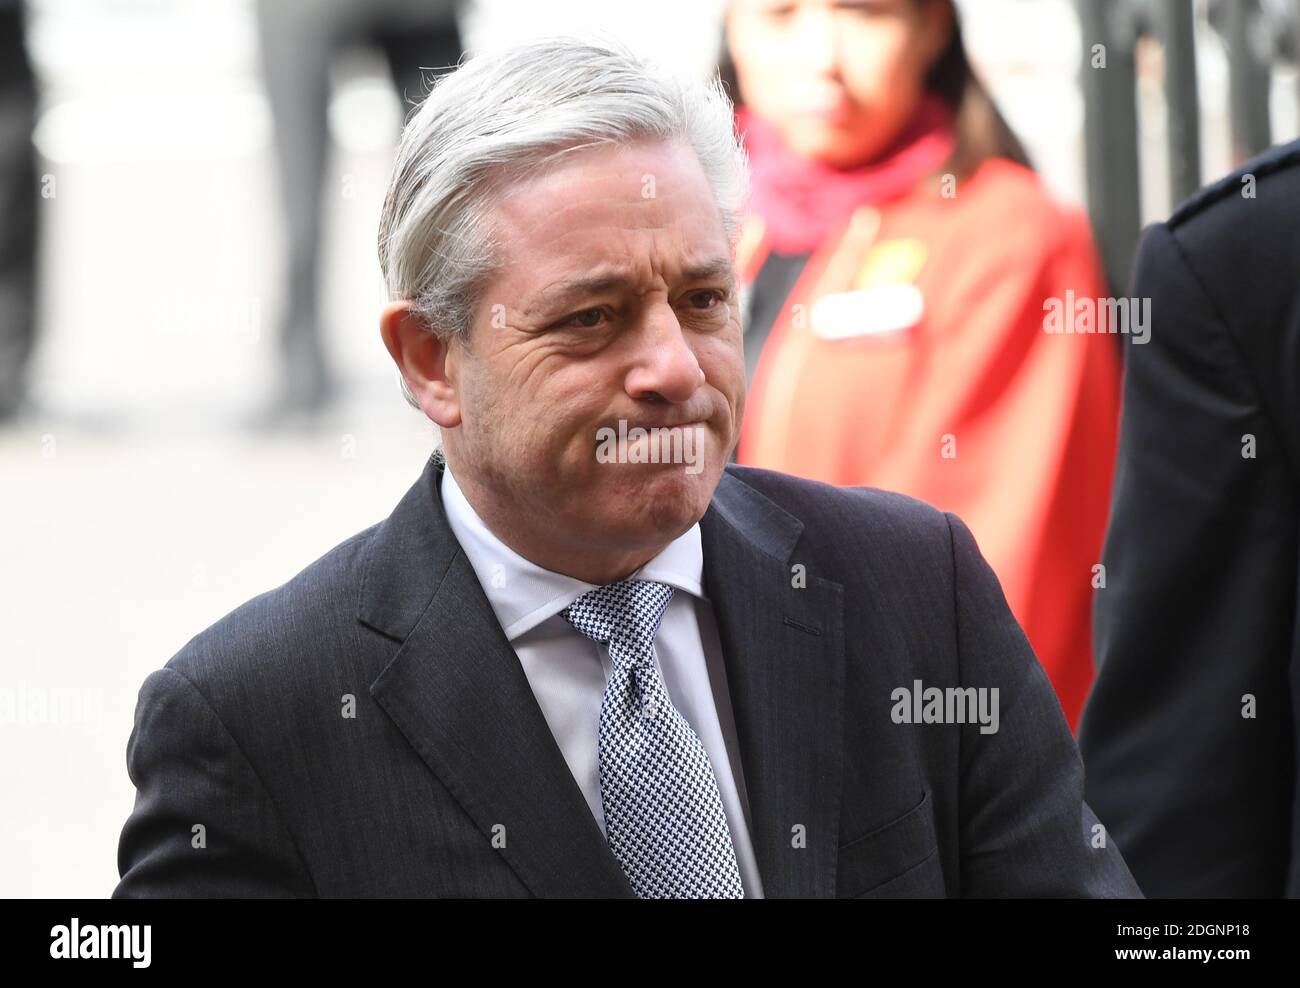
523	594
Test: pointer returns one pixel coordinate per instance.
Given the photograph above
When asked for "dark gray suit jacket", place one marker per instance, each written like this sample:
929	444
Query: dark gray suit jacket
243	732
1203	554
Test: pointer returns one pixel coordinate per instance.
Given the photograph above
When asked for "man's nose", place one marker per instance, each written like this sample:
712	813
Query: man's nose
665	363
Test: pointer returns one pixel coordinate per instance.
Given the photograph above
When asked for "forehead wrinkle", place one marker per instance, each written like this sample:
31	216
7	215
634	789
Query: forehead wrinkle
531	208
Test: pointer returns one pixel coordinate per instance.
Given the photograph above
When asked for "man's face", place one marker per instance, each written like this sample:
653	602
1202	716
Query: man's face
616	301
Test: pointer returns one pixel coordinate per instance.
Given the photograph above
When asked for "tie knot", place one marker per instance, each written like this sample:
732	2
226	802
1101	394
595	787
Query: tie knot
626	613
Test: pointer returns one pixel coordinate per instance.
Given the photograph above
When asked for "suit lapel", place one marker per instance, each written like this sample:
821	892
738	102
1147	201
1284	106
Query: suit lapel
784	654
457	692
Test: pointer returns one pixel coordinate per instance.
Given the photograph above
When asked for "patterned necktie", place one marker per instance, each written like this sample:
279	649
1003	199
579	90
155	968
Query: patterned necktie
664	819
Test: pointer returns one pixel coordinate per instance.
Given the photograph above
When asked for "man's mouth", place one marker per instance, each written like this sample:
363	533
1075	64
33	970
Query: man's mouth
681	444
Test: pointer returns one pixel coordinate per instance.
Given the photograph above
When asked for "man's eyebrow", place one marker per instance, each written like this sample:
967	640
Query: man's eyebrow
713	268
558	293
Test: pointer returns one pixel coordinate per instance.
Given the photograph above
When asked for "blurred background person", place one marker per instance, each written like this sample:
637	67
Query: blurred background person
1189	737
18	196
897	261
299	40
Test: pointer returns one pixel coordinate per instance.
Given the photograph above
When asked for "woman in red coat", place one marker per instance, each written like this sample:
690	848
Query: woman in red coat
899	260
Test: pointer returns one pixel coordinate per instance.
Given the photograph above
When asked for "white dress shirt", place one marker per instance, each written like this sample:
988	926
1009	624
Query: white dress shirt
568	671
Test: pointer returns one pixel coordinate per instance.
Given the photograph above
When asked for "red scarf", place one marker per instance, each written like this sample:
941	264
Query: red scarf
800	200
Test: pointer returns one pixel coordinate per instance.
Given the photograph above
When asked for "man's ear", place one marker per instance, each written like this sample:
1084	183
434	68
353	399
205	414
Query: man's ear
423	361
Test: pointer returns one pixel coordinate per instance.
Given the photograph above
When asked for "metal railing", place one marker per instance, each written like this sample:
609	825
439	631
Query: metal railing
1257	35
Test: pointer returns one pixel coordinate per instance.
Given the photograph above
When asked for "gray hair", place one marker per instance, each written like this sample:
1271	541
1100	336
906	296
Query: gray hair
503	116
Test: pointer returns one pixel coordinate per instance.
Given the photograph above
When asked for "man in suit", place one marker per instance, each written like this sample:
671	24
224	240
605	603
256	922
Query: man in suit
582	660
1190	734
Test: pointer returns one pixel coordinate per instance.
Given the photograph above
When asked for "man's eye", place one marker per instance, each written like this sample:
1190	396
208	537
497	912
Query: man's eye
707	299
586	319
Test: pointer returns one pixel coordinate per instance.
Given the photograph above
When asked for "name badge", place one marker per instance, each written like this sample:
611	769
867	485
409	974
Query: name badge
879	312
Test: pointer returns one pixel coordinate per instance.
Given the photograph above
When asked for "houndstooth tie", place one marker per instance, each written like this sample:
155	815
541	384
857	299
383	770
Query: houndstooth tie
664	819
